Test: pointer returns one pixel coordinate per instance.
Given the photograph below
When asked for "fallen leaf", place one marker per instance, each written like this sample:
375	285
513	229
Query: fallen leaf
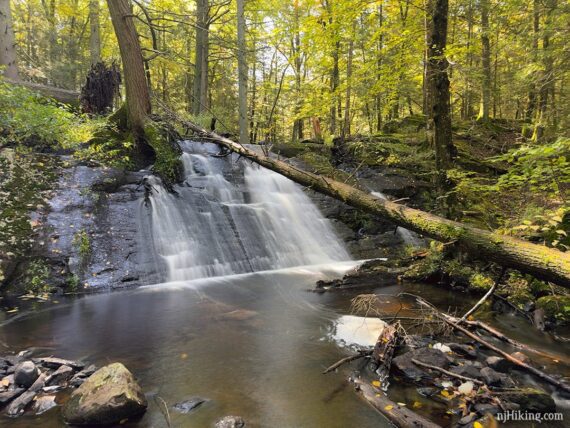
388	407
376	383
477	424
417	405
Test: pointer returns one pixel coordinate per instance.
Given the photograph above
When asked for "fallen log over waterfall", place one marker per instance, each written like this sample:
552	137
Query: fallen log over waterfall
62	95
544	263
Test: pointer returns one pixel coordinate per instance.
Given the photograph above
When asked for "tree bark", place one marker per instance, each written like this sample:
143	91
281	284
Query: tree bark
94	35
547	78
485	61
346	124
544	263
531	105
439	119
297	60
242	72
7	42
138	95
201	69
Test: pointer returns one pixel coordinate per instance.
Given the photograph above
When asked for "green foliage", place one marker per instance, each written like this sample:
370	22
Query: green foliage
544	167
167	163
555	307
36	277
26	117
82	242
549	227
25	182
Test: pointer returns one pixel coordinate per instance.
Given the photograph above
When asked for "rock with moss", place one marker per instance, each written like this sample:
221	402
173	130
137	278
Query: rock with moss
107	397
556	308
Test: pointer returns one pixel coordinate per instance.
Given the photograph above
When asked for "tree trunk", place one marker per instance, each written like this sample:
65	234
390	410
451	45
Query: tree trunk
242	72
7	42
138	95
94	35
485	61
297	60
547	78
531	106
346	124
544	263
439	119
201	69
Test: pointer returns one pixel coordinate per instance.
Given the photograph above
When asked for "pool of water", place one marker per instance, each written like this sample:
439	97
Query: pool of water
254	345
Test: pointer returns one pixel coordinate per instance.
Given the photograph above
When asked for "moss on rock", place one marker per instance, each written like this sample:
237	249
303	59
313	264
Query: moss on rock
555	307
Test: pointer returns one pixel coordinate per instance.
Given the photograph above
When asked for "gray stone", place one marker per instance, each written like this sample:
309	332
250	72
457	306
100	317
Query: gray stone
7	396
187	406
403	363
44	403
108	396
17	407
468	371
499	364
463	350
61	375
230	422
485	408
26	374
493	378
531	400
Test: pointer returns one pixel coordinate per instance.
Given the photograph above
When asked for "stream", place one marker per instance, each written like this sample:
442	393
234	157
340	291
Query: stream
233	320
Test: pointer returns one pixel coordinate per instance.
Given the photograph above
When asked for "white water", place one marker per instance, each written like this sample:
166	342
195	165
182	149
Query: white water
407	236
258	221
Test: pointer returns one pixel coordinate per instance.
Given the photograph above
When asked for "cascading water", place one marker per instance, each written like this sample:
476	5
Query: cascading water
213	227
407	236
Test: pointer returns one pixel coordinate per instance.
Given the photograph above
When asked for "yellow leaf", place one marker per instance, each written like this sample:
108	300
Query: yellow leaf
477	425
388	407
417	405
445	393
376	383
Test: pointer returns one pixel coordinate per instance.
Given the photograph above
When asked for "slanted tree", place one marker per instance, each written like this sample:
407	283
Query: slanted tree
7	41
438	106
138	96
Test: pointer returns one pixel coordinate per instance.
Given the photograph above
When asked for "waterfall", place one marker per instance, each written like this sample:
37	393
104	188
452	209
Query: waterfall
232	217
407	236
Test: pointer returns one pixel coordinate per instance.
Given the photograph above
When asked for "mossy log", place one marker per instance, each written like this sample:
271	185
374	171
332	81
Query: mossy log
544	263
64	96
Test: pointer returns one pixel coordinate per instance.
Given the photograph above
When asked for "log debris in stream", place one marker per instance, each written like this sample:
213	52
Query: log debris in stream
454	324
544	263
399	415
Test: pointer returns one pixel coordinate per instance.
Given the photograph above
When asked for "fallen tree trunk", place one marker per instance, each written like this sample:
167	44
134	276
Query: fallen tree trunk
400	416
544	263
62	95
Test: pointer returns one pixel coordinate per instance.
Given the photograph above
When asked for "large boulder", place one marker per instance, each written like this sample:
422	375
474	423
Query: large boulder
108	396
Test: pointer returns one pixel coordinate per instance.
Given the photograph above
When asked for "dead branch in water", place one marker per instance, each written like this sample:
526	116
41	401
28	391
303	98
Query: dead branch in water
361	354
451	321
400	416
447	372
